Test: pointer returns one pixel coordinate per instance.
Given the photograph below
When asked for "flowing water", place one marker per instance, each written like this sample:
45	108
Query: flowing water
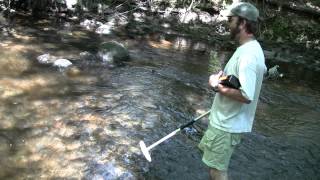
88	126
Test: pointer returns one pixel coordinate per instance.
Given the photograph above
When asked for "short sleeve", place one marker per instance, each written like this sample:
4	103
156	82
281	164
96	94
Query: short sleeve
247	75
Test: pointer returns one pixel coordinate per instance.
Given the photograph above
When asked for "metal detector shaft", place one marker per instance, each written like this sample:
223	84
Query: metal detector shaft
164	138
145	149
193	121
177	130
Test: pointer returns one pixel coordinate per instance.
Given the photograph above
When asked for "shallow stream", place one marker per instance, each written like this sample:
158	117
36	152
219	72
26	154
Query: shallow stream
58	125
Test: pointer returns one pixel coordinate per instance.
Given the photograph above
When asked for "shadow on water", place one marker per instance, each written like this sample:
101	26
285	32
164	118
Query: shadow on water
89	126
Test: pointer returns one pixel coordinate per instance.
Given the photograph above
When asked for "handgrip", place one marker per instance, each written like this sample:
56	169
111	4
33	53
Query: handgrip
194	120
187	124
230	81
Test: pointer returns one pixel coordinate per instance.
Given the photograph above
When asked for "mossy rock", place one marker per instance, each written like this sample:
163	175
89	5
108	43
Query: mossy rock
113	53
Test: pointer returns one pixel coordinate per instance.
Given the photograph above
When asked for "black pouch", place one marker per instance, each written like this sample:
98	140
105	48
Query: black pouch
230	81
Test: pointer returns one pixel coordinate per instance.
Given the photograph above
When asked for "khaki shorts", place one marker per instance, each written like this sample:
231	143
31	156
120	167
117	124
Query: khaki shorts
217	147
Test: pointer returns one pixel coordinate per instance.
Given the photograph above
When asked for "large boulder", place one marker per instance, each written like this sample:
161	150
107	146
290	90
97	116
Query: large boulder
113	53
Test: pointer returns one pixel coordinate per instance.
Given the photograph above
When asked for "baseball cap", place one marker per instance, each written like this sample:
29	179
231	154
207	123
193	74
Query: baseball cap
244	10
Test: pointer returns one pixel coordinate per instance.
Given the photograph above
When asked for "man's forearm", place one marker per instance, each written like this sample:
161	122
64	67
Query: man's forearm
232	93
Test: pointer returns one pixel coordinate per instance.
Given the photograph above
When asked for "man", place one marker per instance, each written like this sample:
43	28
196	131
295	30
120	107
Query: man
233	110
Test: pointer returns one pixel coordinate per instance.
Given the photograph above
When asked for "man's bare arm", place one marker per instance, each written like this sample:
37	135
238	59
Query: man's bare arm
232	93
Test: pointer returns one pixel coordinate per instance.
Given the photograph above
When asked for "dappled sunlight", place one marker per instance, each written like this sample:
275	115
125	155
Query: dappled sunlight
23	37
161	44
178	43
11	62
122	118
68	145
181	43
311	5
79	34
13	48
91	117
63	130
87	124
13	87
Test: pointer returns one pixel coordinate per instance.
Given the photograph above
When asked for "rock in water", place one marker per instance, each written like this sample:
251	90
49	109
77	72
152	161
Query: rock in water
104	29
87	56
273	73
62	63
44	59
113	53
73	71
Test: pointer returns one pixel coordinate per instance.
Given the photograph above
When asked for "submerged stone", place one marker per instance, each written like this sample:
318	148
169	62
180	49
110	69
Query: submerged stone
73	71
113	53
87	56
45	59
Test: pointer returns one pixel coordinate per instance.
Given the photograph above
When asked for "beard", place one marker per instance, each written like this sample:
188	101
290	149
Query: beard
234	32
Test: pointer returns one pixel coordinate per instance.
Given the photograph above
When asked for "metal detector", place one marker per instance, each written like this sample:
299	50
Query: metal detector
145	150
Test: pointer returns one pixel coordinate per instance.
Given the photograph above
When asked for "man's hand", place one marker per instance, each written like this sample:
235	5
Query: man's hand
235	94
214	79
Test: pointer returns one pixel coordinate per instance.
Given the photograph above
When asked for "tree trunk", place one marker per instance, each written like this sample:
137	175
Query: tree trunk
39	7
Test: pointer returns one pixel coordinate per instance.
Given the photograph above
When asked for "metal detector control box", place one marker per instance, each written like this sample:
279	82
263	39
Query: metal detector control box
230	81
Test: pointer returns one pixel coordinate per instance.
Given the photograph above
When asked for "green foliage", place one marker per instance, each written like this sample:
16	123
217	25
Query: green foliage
91	3
187	3
279	27
214	64
291	28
